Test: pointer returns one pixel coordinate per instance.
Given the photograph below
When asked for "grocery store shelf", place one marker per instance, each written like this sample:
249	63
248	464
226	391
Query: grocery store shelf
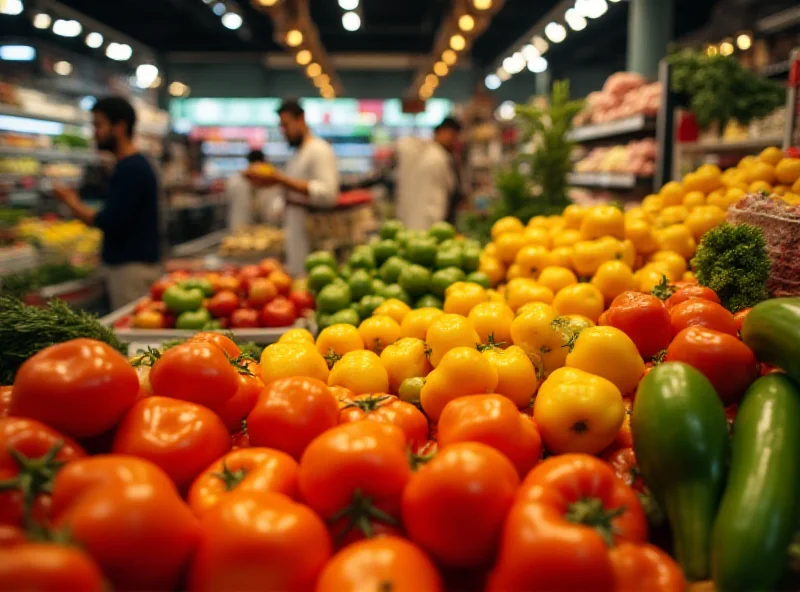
607	180
621	127
16	112
711	147
41	154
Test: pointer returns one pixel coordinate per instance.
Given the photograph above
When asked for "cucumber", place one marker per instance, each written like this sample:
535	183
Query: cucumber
772	331
761	506
680	436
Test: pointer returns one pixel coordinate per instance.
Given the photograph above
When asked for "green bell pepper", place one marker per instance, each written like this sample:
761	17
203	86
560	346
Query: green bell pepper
193	319
179	299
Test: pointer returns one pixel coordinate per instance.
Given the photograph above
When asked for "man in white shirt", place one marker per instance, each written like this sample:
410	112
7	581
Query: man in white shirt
431	184
311	179
248	205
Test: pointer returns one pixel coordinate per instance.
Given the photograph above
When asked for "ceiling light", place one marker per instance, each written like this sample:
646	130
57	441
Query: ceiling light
432	80
482	4
267	2
218	9
63	68
348	4
313	70
591	8
67	28
303	57
466	22
425	92
441	69
555	32
506	111
351	21
146	75
540	44
294	38
537	65
744	41
328	93
503	75
514	63
94	40
119	51
449	57
493	82
11	7
529	52
457	42
711	50
726	47
575	21
178	89
232	21
17	53
86	103
322	80
42	20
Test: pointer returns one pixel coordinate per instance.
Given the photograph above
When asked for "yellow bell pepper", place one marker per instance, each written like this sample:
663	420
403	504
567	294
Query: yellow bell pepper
464	298
508	245
649	276
610	353
671	215
566	237
556	277
532	259
677	238
653	203
703	218
521	291
603	221
542	221
638	213
504	225
515	271
361	372
613	278
578	412
574	215
407	358
516	374
492	319
582	299
674	262
447	332
587	256
640	232
493	268
537	235
397	309
462	371
541	336
417	322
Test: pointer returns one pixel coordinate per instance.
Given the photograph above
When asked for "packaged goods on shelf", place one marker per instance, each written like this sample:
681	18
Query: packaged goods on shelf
252	241
636	157
624	94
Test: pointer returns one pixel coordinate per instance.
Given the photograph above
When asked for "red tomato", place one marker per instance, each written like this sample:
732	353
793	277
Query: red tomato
259	540
177	277
48	567
278	313
260	291
269	265
11	535
195	371
128	516
235	409
142	305
302	301
250	469
244	318
740	316
389	409
240	439
356	472
223	304
247	274
149	319
81	387
388	562
282	281
495	421
454	506
225	343
290	413
697	312
623	461
158	288
729	364
40	451
645	567
180	437
5	399
229	283
693	291
644	319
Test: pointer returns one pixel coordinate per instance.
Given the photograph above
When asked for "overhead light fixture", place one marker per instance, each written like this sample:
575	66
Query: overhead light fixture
267	2
303	57
178	89
744	41
449	57
63	68
440	69
482	4
503	75
119	51
514	64
351	21
457	42
11	7
67	28
575	21
555	32
146	75
348	4
42	20
219	9
232	21
17	53
726	47
313	70
466	23
506	111
711	50
322	81
86	103
294	38
591	8
540	44
425	92
328	93
94	40
493	82
432	80
537	65
529	52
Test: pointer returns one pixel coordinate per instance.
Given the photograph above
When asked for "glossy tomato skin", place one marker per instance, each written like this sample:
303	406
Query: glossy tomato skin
223	342
495	421
244	318
269	265
303	300
182	438
195	371
235	409
740	316
282	281
80	387
645	567
257	540
248	273
47	567
32	440
280	312
729	364
389	409
260	291
290	413
223	304
5	399
644	319
693	291
158	288
387	562
128	516
696	312
623	461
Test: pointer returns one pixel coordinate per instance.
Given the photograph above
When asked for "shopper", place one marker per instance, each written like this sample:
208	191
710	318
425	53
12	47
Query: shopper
247	204
432	185
311	179
130	217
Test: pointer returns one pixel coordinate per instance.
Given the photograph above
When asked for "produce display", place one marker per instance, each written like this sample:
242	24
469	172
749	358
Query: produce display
624	94
637	157
252	241
251	296
22	283
415	268
70	237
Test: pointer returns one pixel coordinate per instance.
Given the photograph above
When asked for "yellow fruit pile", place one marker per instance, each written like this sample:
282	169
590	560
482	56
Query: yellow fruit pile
67	237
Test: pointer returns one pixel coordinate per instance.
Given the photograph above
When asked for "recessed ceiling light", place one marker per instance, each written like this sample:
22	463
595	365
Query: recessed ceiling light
555	32
348	4
67	28
119	51
146	75
11	7
449	57
482	4
63	68
303	57
294	38
493	82
575	21
94	40
432	80
17	53
466	22
42	20
440	69
219	9
351	21
537	65
313	70
457	42
231	21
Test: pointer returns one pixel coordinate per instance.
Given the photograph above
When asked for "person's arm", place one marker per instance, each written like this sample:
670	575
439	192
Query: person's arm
121	205
322	190
72	200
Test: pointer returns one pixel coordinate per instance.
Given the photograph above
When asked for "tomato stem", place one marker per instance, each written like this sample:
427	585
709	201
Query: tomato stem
368	403
34	478
663	289
360	514
591	512
229	477
331	358
415	461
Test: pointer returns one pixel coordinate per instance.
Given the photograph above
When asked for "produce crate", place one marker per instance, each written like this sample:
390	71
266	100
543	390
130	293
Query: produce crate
139	338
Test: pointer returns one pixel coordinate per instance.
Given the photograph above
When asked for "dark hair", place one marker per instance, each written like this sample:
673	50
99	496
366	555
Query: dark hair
117	109
255	156
450	123
292	107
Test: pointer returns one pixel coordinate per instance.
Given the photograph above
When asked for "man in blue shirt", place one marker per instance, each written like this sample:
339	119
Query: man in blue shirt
130	217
